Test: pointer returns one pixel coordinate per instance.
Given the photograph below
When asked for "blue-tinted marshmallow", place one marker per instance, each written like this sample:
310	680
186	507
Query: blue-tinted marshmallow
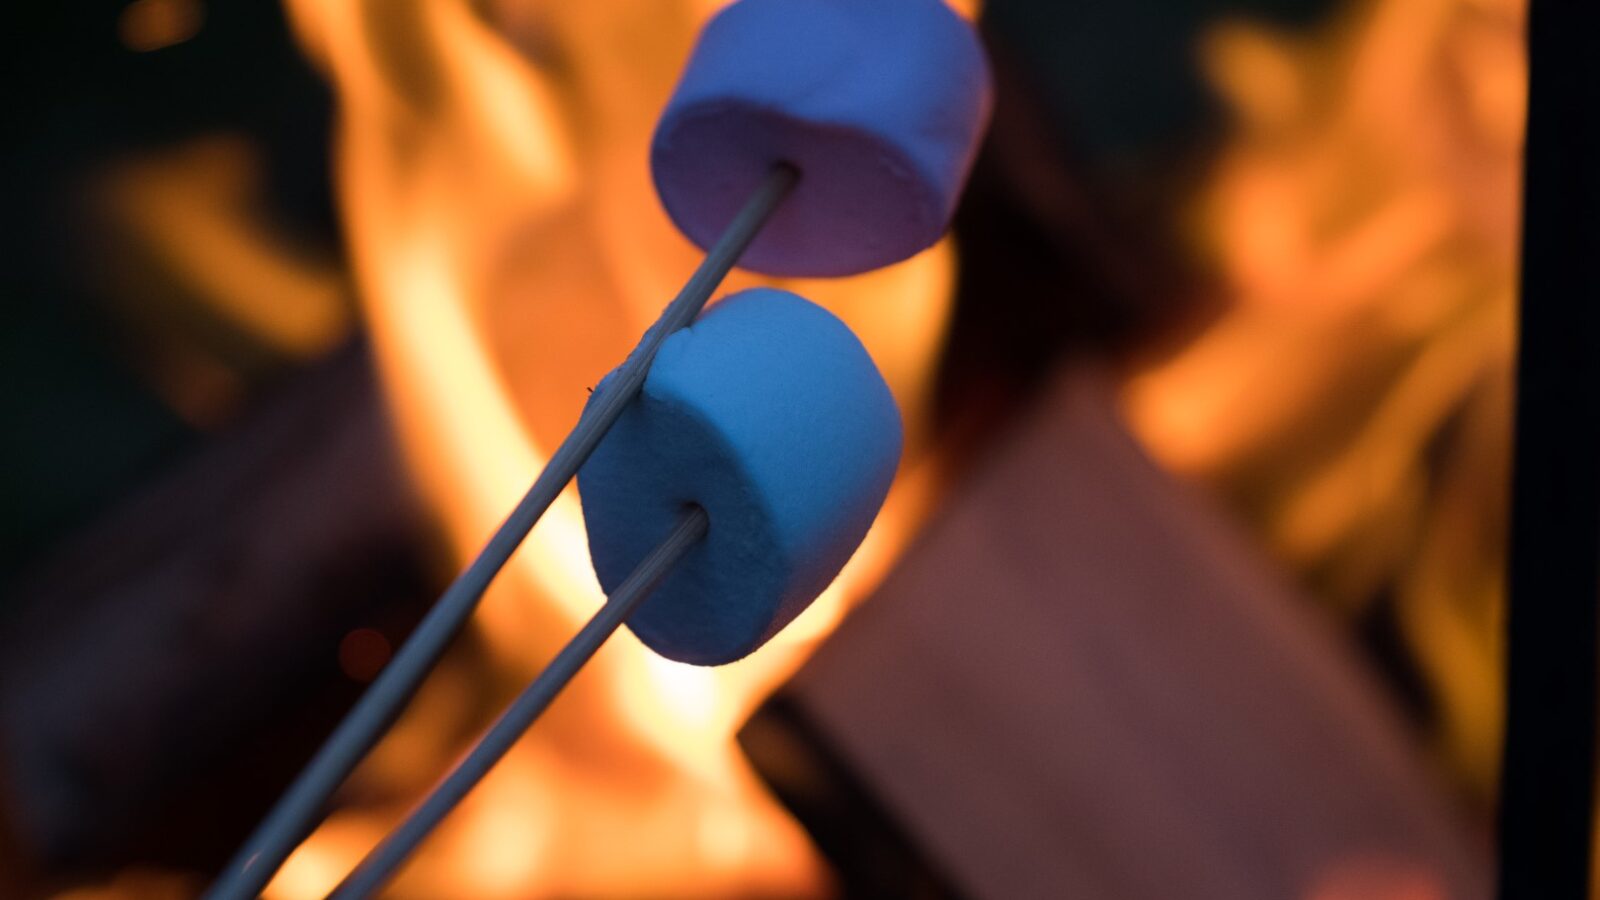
768	413
879	103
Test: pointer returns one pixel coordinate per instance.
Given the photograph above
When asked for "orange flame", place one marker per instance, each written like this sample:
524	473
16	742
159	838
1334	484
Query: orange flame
1354	401
508	250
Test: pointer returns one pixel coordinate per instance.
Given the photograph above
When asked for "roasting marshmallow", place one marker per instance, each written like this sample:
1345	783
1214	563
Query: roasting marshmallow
769	414
879	103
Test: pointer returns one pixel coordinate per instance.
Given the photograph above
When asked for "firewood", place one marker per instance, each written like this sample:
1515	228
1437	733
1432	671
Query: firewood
1082	683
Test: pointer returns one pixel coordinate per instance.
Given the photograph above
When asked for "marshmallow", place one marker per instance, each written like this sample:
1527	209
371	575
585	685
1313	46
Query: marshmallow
769	414
879	103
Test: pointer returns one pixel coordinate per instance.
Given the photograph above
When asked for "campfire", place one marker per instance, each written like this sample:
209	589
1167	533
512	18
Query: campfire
1349	401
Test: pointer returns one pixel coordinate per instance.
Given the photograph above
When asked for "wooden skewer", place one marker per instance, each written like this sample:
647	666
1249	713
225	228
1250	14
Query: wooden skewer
381	863
303	804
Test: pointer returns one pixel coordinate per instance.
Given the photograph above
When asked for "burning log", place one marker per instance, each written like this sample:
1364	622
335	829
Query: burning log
1080	683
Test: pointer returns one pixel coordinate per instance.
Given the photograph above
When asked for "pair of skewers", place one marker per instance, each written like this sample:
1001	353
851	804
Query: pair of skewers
806	137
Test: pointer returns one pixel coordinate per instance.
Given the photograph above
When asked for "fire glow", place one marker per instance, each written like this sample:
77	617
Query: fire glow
508	250
1354	401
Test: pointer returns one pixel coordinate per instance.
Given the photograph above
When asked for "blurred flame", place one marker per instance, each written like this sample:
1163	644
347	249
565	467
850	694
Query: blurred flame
192	205
147	25
1355	399
508	247
211	289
